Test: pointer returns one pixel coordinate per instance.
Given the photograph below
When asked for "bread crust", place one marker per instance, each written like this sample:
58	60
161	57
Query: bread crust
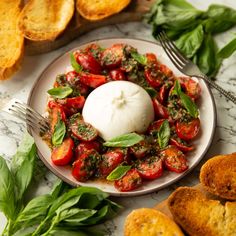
99	9
11	40
199	216
218	176
42	20
150	222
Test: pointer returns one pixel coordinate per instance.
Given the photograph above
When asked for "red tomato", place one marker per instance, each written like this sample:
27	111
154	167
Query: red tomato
86	146
110	161
63	154
163	94
151	58
57	113
88	62
117	74
188	130
92	80
112	57
155	126
191	87
181	146
150	168
140	149
165	70
85	166
153	77
75	102
72	77
174	160
130	181
83	131
160	110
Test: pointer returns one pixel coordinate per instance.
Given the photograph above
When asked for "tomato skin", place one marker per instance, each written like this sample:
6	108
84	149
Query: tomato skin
160	110
151	58
130	181
75	102
63	154
86	146
155	126
84	167
187	131
72	77
174	160
110	161
181	146
88	62
154	80
165	70
112	57
117	74
140	149
92	80
163	94
151	168
57	112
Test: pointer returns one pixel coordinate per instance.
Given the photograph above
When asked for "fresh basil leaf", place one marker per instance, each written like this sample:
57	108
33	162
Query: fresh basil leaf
228	49
190	41
125	140
118	172
151	91
23	162
59	133
177	88
60	92
64	232
7	191
59	188
77	67
164	134
139	58
88	201
189	105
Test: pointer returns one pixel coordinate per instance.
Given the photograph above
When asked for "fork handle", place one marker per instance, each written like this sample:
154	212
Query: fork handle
227	94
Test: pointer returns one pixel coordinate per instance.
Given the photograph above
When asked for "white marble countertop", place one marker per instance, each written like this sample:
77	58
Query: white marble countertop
11	129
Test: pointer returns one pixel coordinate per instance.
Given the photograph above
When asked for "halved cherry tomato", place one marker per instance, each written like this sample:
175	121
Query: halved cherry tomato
140	149
92	80
150	168
117	74
188	130
93	48
181	146
88	62
110	161
63	154
163	94
174	160
160	110
83	131
154	77
130	181
57	113
155	126
151	58
166	71
86	146
191	87
112	57
75	102
84	167
72	77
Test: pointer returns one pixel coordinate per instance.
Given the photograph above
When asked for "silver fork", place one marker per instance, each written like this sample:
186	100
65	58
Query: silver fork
32	118
186	66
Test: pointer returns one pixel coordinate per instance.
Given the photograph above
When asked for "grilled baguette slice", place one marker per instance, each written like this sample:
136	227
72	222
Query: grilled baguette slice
45	19
150	222
11	39
218	176
200	216
99	9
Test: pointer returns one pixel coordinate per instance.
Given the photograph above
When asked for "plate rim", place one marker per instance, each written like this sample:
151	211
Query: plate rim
120	194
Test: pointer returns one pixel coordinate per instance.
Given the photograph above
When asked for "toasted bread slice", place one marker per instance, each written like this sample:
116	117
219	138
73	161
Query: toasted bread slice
150	222
45	19
11	39
218	176
99	9
200	216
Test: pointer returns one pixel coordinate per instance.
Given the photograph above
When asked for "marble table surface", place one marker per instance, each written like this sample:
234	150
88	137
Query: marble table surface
12	130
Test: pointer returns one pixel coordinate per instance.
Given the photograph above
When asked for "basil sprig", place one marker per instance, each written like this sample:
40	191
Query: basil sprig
60	92
76	66
118	172
187	102
125	140
228	49
59	133
164	134
139	58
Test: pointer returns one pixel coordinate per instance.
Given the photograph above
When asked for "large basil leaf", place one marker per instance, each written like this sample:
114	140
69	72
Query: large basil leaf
126	140
60	92
190	41
59	133
118	172
164	134
228	49
7	191
139	58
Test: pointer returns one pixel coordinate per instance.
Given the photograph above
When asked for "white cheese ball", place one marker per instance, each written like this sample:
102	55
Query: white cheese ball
117	108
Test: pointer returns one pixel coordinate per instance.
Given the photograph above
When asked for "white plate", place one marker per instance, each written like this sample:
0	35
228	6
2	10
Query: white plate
38	101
